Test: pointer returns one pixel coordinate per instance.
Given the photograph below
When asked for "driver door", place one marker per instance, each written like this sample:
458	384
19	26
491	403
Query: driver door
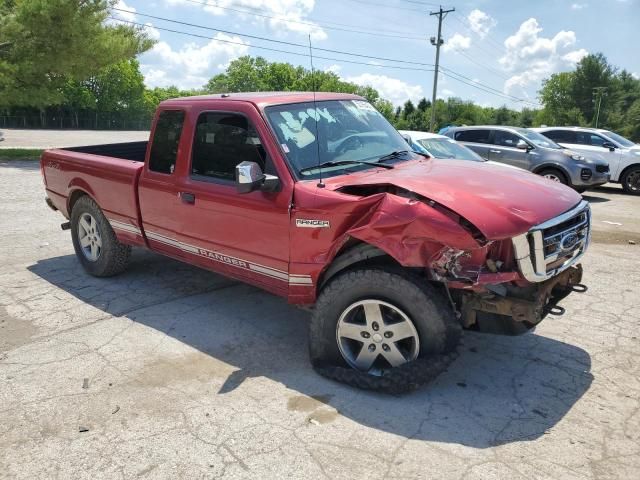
245	236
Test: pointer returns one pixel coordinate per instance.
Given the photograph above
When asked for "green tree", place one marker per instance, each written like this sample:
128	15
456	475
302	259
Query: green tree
424	104
557	97
408	109
591	72
46	43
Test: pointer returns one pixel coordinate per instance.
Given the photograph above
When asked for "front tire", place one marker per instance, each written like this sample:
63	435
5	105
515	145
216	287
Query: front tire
631	181
554	175
95	243
382	330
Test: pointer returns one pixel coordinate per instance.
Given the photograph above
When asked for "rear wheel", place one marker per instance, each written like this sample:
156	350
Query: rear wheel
631	181
382	330
554	175
95	243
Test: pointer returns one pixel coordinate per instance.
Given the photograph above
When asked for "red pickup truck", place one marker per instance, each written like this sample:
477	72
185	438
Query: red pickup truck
319	199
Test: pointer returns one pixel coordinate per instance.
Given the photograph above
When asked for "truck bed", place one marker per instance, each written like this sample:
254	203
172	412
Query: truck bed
127	151
107	173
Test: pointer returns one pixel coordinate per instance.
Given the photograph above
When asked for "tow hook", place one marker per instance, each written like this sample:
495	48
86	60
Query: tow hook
579	288
65	226
556	310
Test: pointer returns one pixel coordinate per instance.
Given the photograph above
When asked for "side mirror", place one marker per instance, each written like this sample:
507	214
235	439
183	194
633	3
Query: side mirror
609	145
407	138
522	145
249	177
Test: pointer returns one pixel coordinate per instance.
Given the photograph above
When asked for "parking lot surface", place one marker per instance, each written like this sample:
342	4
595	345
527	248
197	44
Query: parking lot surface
168	371
17	138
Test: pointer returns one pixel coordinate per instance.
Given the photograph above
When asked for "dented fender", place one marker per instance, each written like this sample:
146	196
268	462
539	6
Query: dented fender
412	230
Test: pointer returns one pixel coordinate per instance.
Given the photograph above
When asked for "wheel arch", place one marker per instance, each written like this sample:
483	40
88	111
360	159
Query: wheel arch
554	166
354	252
78	188
626	169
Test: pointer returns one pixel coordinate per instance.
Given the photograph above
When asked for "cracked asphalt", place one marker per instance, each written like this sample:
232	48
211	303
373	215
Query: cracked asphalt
168	371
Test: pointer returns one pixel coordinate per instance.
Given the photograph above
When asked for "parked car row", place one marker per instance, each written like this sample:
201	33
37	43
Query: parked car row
581	158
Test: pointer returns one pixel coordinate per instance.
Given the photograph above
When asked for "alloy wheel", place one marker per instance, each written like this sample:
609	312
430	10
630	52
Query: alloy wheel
89	237
374	335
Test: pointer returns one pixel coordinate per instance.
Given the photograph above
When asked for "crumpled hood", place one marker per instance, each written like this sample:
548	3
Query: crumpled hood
501	202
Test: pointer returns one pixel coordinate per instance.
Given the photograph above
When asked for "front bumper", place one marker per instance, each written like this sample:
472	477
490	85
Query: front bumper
588	175
524	304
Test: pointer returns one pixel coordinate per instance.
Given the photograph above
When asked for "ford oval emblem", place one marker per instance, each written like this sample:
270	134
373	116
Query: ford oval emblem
569	241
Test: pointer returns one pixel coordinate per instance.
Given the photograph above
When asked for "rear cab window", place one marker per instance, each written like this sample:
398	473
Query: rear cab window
164	145
473	136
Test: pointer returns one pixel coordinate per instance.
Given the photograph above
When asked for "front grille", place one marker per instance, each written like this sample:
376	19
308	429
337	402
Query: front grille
553	246
602	168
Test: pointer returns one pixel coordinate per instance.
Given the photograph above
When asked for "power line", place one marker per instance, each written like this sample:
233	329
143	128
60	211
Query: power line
323	24
395	7
418	66
463	20
486	67
485	88
231	42
282	42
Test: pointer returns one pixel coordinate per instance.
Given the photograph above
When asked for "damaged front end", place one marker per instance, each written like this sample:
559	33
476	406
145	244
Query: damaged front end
542	269
517	280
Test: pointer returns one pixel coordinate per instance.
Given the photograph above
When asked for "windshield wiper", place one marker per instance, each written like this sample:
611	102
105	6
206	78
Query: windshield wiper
394	154
344	162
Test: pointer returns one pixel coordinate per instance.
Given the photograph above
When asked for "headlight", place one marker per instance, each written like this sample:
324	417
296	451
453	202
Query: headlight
573	155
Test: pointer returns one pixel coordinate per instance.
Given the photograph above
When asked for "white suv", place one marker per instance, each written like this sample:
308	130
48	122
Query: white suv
622	154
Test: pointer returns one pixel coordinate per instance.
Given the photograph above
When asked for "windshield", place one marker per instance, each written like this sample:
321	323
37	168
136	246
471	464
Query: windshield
538	139
448	148
619	139
346	130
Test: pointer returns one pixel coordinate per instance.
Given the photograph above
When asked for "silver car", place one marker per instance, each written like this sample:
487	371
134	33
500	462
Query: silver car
622	154
524	148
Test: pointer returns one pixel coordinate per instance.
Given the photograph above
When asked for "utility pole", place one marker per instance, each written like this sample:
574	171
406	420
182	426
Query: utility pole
437	42
598	93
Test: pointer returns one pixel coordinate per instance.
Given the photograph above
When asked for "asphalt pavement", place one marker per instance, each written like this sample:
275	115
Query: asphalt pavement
168	371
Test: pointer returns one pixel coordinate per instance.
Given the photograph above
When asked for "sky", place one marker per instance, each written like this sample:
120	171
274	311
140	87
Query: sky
495	52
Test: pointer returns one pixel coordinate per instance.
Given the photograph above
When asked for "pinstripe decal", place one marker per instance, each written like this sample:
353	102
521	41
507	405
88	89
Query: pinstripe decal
292	279
125	227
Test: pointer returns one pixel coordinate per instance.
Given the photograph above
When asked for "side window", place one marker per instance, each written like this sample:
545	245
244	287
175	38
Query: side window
222	141
505	139
164	146
473	136
561	136
596	140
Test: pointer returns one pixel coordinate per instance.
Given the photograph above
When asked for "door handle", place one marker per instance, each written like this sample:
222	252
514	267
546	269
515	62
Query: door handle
495	151
188	197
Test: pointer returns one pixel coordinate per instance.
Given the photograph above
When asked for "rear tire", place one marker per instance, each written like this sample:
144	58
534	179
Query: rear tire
554	175
631	181
95	243
432	332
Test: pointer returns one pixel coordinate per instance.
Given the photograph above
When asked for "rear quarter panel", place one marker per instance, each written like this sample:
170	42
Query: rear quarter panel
110	182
